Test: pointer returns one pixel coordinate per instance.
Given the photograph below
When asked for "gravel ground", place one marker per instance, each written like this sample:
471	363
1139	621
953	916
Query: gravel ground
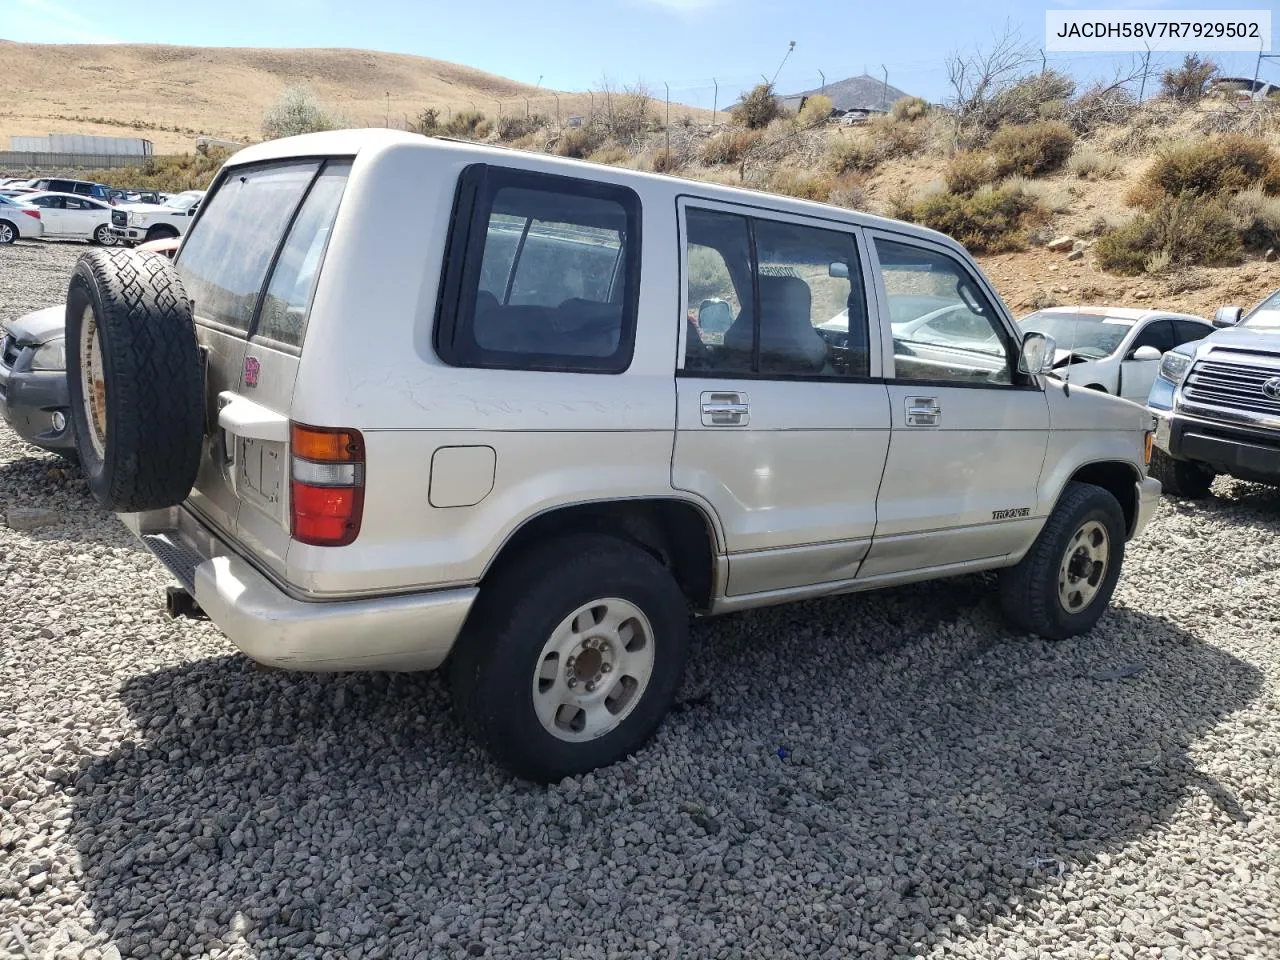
892	774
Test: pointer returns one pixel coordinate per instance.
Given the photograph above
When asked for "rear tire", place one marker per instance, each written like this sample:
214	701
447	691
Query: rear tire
8	232
1057	590
542	680
131	347
1180	478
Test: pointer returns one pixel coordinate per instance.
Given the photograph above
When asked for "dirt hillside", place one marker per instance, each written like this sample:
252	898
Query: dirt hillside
170	94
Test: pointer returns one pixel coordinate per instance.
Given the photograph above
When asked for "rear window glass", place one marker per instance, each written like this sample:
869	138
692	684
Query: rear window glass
293	282
225	259
549	275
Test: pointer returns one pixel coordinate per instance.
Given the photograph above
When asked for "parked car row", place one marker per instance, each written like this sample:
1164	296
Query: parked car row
16	186
66	216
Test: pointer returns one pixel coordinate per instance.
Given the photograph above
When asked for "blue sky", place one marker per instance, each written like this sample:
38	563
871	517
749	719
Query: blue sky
572	44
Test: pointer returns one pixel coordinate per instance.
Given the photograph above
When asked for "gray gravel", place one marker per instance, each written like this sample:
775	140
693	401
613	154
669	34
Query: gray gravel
893	774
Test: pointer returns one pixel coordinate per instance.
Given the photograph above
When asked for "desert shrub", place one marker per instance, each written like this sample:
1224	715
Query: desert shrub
1099	105
849	154
296	112
993	220
896	138
730	146
967	170
483	129
171	174
758	108
993	104
1158	263
625	113
1189	82
513	127
464	123
579	142
1209	168
849	191
909	108
816	110
612	154
427	122
1032	149
804	184
1257	218
664	160
1050	196
900	204
1192	230
1086	163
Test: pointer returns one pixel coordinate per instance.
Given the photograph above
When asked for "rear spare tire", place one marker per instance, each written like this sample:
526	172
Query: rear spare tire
134	379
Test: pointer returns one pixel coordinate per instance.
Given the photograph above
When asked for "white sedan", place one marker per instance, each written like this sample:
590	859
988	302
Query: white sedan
1114	349
69	216
19	221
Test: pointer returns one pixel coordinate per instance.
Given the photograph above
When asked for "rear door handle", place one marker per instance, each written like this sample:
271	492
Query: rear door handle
923	412
725	409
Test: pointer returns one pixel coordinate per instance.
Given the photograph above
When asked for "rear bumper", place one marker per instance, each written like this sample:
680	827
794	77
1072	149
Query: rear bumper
407	632
1247	453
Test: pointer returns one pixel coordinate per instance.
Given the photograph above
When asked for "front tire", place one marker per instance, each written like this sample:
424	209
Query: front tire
1062	586
103	236
1180	478
571	658
160	233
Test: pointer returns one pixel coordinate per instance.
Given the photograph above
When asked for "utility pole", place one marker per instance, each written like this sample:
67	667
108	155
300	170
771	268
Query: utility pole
667	87
1043	63
1146	65
884	97
715	100
824	82
386	121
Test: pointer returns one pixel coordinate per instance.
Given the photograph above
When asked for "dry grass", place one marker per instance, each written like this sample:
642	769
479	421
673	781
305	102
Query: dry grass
1033	149
1086	163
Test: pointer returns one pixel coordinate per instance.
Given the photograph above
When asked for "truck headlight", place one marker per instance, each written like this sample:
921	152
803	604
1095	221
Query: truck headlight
1174	366
51	355
136	219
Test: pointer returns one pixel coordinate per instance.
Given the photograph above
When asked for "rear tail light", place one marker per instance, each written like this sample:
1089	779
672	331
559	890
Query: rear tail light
32	213
327	485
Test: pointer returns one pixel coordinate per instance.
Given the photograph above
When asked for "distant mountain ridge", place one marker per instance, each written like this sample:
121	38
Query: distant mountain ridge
854	93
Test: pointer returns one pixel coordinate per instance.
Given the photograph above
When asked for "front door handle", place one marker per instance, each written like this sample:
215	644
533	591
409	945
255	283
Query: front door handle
923	412
725	409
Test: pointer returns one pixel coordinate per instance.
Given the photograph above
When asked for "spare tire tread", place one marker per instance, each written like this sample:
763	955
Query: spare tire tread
155	415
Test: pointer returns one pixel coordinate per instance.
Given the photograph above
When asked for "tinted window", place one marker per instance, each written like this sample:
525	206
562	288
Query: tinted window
293	282
49	203
226	256
543	274
944	328
784	310
1188	331
1158	334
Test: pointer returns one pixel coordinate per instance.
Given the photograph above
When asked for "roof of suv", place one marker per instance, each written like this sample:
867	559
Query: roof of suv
352	142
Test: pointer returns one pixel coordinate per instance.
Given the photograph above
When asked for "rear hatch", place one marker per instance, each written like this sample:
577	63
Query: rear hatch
250	264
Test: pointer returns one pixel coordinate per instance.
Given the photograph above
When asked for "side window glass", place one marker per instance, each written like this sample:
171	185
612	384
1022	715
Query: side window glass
1188	331
293	282
813	315
550	276
718	327
944	327
1158	334
226	257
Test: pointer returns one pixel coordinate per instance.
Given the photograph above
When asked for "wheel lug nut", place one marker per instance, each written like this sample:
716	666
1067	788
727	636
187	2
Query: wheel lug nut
572	681
570	662
591	685
606	667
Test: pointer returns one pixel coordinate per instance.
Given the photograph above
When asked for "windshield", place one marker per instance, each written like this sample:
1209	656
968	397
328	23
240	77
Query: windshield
1266	315
1091	335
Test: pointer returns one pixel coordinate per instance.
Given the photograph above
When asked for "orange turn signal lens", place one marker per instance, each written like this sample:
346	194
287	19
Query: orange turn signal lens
327	445
1146	448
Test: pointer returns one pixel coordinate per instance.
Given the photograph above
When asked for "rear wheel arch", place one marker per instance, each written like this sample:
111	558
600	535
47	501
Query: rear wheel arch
678	533
1118	478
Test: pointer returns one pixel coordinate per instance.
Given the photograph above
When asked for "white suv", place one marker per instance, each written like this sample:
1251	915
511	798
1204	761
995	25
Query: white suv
492	430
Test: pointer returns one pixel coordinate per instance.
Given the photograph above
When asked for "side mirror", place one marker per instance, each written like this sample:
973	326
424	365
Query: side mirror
840	270
714	316
1227	316
1146	353
1037	355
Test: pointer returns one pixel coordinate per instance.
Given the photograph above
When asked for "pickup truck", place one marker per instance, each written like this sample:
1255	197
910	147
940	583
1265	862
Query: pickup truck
1217	404
134	223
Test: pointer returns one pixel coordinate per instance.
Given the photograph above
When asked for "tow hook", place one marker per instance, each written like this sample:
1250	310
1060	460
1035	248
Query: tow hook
180	603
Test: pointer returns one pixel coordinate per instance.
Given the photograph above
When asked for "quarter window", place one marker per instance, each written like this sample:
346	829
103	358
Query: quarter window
543	273
944	327
773	298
